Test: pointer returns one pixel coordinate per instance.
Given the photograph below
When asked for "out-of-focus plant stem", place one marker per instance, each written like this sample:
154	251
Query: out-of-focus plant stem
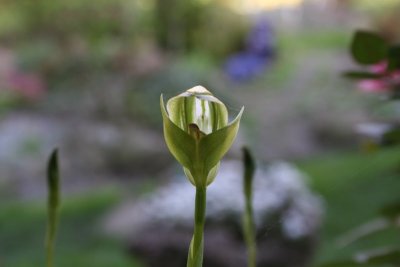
53	203
248	219
195	257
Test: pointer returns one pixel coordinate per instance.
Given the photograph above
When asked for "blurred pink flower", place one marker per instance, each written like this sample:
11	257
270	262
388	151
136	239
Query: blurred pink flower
395	75
372	86
27	85
383	84
379	68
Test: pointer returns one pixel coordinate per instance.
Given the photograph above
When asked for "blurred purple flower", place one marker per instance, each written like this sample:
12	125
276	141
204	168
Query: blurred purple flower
261	39
259	51
243	66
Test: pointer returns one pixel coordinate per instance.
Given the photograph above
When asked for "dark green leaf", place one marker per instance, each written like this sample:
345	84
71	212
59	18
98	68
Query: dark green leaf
348	263
368	48
361	75
394	58
391	211
387	257
391	137
371	227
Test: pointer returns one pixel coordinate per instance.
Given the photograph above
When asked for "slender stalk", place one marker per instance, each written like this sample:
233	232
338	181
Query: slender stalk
249	236
52	206
248	219
195	257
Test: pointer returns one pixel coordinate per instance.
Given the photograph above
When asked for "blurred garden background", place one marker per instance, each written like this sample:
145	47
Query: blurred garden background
86	77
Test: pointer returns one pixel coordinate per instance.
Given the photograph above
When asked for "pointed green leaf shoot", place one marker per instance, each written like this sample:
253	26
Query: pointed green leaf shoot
53	204
197	132
249	230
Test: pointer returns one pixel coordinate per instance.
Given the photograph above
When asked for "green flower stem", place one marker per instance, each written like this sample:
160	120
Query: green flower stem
195	257
250	236
248	219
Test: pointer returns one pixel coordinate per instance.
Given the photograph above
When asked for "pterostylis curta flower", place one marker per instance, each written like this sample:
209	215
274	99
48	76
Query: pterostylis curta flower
198	134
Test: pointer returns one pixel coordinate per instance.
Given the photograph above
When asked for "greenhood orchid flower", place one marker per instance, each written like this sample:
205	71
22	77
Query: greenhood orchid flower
197	132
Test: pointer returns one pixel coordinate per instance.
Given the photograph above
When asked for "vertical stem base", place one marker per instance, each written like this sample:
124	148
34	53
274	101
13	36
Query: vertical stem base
195	257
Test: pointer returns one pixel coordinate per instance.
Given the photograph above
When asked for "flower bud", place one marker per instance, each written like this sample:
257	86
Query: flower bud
197	132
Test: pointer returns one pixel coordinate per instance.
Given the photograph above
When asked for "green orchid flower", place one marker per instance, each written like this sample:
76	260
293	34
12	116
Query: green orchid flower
197	132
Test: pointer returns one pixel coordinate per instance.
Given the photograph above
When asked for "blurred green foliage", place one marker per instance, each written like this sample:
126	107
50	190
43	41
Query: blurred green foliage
369	192
343	180
60	19
79	46
50	28
80	242
354	186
